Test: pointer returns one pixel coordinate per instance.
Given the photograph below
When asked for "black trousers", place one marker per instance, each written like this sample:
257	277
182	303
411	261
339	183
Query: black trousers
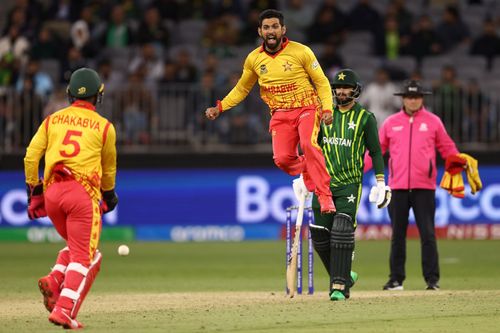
423	203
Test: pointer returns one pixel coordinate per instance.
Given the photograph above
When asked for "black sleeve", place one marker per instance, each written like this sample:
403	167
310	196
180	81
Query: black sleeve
373	144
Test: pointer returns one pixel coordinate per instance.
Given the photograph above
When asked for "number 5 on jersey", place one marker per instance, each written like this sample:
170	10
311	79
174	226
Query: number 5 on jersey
69	141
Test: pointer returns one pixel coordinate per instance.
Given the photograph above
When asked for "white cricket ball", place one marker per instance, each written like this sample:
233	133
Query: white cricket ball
123	250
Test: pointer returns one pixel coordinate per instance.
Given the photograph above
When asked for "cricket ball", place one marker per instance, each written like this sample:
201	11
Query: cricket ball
123	250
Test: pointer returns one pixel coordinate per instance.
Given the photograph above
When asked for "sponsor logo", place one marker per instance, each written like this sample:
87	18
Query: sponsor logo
397	128
41	235
256	202
207	233
315	65
423	127
263	69
13	206
452	231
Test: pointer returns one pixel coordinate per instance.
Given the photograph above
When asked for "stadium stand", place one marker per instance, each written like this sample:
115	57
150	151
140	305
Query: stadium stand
200	46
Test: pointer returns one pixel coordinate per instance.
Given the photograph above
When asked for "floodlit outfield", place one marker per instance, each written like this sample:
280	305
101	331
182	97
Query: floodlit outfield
239	287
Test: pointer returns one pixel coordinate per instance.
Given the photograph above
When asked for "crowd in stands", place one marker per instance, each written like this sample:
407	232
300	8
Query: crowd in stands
164	61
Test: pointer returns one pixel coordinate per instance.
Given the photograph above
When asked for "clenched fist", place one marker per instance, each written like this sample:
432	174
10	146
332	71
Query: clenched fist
212	113
327	117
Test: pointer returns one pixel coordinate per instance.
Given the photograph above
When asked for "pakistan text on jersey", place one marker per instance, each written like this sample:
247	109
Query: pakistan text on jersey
281	88
76	121
337	141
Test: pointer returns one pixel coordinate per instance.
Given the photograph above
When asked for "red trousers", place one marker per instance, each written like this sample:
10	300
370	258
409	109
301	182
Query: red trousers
76	217
291	127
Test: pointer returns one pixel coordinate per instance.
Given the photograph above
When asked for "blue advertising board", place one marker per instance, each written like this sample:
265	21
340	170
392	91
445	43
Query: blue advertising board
175	202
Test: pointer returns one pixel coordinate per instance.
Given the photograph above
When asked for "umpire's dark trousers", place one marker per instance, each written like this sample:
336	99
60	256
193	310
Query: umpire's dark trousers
423	203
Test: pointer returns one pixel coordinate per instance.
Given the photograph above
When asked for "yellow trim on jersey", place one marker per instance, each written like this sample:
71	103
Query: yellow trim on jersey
315	131
95	230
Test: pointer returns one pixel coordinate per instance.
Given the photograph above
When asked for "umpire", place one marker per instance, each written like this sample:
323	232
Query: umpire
411	137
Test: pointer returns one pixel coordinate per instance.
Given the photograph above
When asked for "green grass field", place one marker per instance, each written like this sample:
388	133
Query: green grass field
239	287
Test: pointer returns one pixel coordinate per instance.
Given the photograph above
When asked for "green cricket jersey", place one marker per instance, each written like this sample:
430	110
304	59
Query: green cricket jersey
344	143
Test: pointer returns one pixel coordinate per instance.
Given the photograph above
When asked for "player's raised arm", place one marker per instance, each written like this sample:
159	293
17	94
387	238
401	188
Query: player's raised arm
237	94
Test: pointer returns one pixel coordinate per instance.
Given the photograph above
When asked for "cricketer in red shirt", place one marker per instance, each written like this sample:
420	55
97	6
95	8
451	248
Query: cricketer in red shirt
77	188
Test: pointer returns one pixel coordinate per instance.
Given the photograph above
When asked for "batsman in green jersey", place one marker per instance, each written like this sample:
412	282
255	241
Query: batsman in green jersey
344	143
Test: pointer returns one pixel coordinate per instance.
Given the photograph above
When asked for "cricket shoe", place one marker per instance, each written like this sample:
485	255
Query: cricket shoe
50	289
326	204
337	295
354	278
393	285
432	286
61	317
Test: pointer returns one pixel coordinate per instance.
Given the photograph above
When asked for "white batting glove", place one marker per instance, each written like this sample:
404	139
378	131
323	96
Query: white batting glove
380	195
300	189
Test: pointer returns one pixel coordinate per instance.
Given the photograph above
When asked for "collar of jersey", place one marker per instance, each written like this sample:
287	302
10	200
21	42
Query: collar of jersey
274	55
83	104
416	112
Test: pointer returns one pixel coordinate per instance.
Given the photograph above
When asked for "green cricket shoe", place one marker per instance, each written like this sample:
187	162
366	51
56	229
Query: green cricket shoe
354	278
337	295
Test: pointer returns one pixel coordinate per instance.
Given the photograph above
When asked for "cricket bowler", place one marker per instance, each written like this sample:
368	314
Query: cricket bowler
298	94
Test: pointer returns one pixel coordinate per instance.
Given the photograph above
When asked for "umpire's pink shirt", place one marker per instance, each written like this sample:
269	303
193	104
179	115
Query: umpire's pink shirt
412	142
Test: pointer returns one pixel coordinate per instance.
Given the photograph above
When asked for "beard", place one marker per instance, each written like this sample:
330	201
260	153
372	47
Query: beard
272	42
343	99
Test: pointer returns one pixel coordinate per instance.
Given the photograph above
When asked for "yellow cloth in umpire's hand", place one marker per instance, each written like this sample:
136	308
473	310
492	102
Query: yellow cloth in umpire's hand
472	172
446	181
457	189
453	184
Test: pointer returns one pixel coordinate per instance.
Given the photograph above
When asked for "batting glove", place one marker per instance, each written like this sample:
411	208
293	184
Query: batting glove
380	195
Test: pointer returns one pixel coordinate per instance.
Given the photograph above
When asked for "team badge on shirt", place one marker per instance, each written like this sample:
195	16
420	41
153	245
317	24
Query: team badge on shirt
263	69
423	127
287	66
